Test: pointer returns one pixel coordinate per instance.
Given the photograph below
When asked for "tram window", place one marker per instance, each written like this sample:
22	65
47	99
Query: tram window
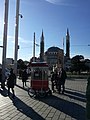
36	75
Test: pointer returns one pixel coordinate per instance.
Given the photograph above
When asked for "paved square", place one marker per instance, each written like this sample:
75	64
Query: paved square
70	106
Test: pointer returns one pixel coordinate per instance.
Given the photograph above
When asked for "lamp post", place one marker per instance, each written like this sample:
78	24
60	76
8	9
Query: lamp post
16	36
34	43
4	43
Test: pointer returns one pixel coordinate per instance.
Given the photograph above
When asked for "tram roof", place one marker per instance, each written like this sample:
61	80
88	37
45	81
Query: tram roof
39	64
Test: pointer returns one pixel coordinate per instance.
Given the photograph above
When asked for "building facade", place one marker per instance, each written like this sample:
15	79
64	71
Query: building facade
9	63
54	57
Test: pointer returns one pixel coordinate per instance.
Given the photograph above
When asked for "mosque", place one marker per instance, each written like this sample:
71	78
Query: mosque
54	56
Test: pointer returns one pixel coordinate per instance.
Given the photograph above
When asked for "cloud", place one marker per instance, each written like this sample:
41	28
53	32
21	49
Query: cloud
20	40
53	1
11	39
61	2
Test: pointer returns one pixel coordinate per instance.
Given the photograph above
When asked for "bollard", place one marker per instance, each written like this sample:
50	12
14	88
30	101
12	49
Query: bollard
88	99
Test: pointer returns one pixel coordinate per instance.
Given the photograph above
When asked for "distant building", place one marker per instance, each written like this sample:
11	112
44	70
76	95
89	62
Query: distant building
67	64
9	63
54	57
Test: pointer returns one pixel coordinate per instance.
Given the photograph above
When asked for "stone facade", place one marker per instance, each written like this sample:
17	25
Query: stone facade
54	57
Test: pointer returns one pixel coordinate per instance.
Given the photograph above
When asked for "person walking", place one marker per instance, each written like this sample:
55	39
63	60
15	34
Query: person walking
24	77
20	73
52	80
11	82
62	79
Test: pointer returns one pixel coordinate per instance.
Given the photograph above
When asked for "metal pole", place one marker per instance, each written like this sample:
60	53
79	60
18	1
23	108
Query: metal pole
63	53
16	36
4	43
34	48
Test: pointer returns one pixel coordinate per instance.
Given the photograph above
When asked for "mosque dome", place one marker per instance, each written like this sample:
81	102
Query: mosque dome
53	49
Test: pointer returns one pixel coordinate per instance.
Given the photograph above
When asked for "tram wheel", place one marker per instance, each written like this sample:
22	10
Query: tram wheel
42	93
31	92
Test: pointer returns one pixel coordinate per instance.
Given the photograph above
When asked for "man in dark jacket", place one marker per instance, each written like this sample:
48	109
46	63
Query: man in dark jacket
11	82
62	79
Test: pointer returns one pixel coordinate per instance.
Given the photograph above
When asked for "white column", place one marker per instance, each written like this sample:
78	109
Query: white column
16	36
5	41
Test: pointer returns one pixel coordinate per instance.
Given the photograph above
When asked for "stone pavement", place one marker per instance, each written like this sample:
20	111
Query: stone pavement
70	106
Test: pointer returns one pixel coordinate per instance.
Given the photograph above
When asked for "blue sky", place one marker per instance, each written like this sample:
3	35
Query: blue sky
54	17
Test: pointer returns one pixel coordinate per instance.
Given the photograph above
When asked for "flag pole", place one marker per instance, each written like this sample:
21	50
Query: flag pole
16	37
4	43
34	48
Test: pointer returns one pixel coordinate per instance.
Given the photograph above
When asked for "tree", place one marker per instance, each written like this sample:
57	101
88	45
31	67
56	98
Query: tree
21	64
77	63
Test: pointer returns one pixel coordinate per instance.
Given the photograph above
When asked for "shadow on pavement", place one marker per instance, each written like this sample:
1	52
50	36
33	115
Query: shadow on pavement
75	95
22	107
25	109
3	92
70	108
23	88
75	90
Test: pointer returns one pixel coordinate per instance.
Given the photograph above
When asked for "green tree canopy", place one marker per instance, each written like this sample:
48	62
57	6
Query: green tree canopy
21	64
77	63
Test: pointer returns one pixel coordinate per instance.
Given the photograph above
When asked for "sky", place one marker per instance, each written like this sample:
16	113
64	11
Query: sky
51	16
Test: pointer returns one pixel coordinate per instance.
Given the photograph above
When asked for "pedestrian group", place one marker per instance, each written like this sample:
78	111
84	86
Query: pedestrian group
58	79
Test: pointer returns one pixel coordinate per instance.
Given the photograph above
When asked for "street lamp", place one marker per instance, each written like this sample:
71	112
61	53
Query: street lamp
34	48
16	36
4	43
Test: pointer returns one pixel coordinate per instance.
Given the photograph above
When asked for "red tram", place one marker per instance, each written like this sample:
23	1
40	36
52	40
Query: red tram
39	84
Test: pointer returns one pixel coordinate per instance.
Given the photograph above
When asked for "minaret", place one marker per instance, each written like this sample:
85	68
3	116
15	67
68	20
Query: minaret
34	48
67	44
42	48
